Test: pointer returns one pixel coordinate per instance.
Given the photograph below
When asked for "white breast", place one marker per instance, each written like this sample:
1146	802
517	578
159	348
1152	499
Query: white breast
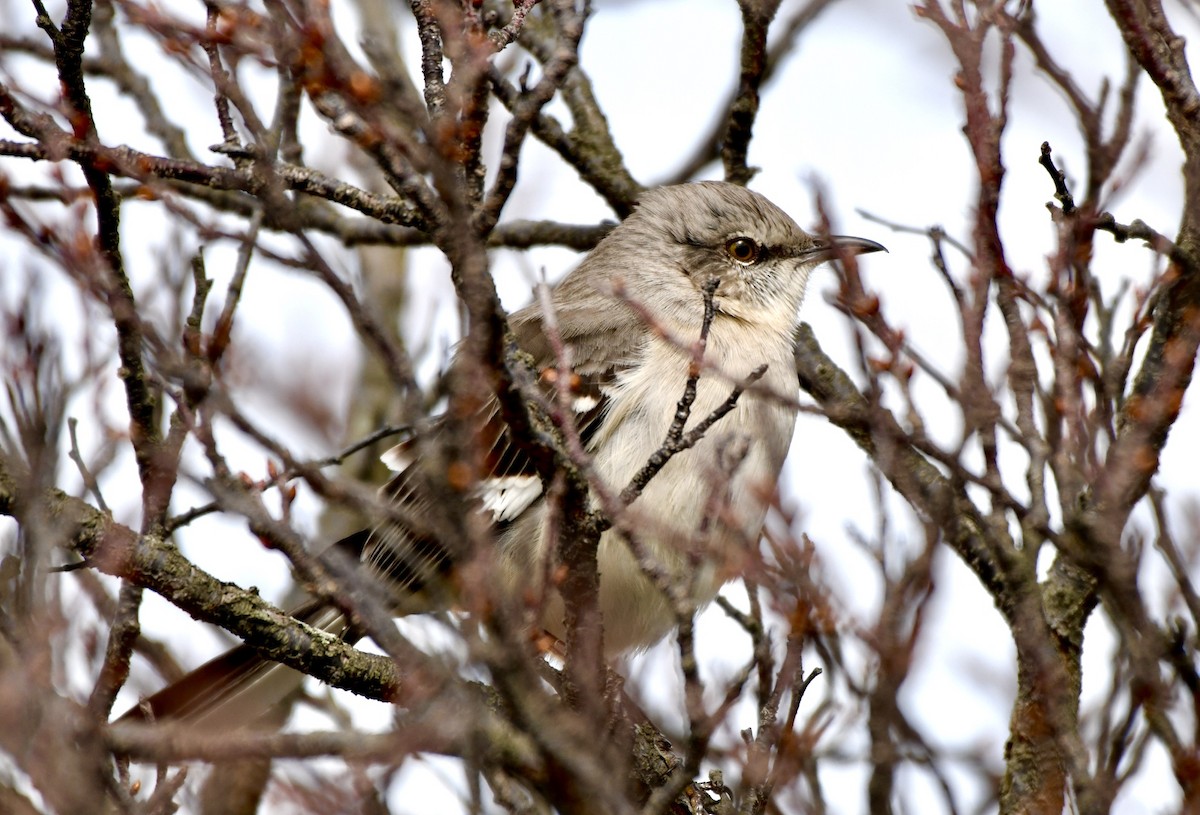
700	517
698	522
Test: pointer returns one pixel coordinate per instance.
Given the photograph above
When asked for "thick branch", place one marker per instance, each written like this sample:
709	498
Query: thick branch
156	564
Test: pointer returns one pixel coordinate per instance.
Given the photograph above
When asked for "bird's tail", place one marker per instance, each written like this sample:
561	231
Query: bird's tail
236	688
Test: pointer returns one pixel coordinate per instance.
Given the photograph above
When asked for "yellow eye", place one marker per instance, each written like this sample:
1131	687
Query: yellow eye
743	250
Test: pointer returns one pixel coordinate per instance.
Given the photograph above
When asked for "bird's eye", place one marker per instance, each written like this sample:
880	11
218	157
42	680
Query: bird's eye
743	250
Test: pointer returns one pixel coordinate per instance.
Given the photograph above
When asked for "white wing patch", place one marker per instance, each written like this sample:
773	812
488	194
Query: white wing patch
396	459
507	497
584	402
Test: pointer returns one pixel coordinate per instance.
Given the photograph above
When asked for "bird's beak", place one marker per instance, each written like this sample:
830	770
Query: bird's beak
834	245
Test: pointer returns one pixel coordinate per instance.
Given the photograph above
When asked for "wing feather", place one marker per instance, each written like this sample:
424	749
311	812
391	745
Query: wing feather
509	485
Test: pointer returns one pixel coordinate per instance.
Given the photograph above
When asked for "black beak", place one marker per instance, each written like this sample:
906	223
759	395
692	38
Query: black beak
830	247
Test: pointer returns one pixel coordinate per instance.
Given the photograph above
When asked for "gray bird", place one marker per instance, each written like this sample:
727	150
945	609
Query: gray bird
628	315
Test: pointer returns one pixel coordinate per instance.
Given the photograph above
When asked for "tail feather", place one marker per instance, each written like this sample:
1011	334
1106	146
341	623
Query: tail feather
239	687
236	688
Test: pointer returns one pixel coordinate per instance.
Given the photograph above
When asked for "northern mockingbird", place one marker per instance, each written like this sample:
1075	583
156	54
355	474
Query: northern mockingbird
628	316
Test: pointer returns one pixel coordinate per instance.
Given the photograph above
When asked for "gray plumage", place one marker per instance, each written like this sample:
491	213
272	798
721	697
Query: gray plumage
702	514
698	521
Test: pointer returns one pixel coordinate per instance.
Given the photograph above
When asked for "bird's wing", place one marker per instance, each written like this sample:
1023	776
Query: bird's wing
404	550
